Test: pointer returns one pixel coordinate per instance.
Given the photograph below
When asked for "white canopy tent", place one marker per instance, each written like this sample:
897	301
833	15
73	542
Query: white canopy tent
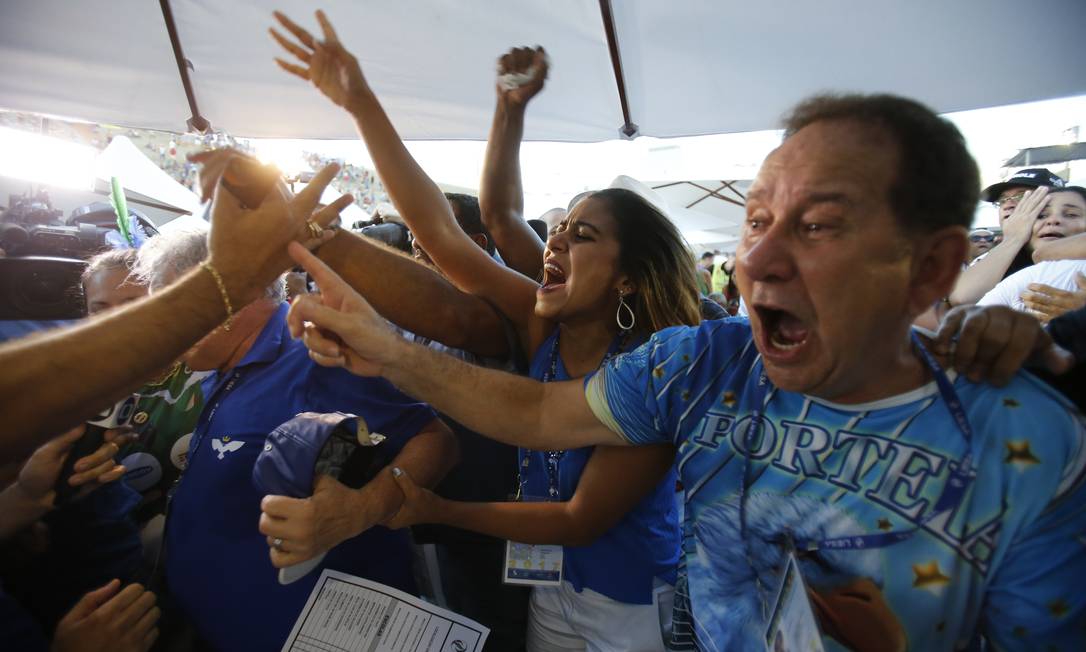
670	68
690	67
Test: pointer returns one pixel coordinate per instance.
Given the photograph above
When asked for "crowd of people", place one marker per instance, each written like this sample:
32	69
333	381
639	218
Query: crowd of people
843	394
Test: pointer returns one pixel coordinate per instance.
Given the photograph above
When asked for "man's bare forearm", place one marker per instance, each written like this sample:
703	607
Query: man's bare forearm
52	382
504	407
1073	247
415	297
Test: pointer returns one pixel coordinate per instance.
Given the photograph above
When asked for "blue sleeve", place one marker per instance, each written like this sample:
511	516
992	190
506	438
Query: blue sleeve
1036	601
642	395
385	409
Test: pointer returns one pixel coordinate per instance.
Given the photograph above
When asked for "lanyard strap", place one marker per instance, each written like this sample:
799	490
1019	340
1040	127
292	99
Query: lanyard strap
552	458
961	477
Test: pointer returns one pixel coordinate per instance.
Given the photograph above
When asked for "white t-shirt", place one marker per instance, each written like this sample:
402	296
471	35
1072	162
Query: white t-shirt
1059	274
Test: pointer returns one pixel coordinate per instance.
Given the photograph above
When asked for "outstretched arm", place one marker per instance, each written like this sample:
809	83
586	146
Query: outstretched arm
335	72
415	297
1062	249
614	481
501	197
53	381
508	408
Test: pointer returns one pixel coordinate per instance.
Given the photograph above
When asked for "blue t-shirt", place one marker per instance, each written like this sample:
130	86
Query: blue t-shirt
217	563
1007	563
623	562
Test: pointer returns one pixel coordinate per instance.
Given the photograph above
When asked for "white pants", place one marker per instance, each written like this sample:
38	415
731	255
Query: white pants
560	620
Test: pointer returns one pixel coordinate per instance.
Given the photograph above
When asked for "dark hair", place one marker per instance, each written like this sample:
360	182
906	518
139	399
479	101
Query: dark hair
468	215
657	259
937	182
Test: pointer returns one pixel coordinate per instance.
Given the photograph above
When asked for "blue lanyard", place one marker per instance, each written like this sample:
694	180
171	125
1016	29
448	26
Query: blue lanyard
552	458
961	477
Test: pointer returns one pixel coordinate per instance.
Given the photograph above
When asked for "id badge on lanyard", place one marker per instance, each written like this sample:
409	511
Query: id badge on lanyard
792	625
532	564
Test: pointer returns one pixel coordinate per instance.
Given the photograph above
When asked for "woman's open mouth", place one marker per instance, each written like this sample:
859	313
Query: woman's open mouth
553	277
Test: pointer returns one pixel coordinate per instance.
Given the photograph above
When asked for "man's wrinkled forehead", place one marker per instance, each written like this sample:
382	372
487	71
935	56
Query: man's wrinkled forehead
830	155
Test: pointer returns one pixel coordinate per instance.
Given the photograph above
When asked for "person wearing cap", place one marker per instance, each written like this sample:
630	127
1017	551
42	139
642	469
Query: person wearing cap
980	242
1050	287
221	529
927	510
1020	200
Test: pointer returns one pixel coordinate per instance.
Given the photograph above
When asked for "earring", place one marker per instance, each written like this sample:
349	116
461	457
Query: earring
618	314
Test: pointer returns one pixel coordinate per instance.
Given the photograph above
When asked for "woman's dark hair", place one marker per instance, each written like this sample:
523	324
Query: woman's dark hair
657	259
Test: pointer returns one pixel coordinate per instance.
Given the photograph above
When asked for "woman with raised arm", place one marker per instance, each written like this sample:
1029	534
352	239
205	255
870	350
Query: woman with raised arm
616	271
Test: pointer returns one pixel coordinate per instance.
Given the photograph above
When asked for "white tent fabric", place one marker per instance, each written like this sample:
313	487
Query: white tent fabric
691	67
136	172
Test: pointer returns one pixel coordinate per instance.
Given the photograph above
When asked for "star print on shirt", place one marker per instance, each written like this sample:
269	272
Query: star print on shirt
1019	453
928	576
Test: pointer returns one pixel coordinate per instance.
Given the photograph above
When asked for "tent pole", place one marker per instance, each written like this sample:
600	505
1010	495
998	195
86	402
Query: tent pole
197	122
629	129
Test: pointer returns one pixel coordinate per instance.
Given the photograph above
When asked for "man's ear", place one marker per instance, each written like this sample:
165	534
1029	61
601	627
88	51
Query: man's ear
937	263
480	239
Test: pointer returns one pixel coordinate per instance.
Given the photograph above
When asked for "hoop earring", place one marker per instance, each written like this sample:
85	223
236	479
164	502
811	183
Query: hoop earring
618	314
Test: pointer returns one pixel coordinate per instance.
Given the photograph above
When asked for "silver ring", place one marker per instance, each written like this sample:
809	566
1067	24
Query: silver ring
315	230
277	543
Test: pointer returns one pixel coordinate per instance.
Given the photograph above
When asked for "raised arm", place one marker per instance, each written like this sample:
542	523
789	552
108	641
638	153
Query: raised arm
986	273
335	72
521	74
614	481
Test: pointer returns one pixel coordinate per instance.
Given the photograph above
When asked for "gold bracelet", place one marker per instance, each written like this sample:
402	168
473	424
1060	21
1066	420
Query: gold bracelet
222	290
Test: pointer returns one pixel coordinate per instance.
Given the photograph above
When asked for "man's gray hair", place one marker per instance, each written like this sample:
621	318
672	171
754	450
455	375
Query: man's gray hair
165	257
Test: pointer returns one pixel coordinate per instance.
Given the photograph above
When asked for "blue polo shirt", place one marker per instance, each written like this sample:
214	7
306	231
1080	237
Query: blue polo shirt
217	564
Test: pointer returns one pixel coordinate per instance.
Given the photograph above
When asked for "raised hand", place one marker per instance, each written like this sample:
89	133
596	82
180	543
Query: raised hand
1018	228
326	64
521	75
338	326
248	246
1047	302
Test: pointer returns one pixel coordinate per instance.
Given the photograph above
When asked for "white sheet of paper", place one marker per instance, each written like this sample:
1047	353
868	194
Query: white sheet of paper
793	627
345	612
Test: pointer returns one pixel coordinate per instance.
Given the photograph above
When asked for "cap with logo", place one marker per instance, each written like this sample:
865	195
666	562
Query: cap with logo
297	452
1028	178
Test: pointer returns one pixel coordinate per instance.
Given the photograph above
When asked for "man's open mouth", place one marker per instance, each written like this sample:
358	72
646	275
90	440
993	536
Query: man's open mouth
784	331
1049	236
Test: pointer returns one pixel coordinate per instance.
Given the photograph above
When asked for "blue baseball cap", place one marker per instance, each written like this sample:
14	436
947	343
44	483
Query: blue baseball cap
299	451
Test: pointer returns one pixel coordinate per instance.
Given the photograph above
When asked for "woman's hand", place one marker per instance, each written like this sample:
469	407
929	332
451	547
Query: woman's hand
419	504
521	75
326	64
1018	227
